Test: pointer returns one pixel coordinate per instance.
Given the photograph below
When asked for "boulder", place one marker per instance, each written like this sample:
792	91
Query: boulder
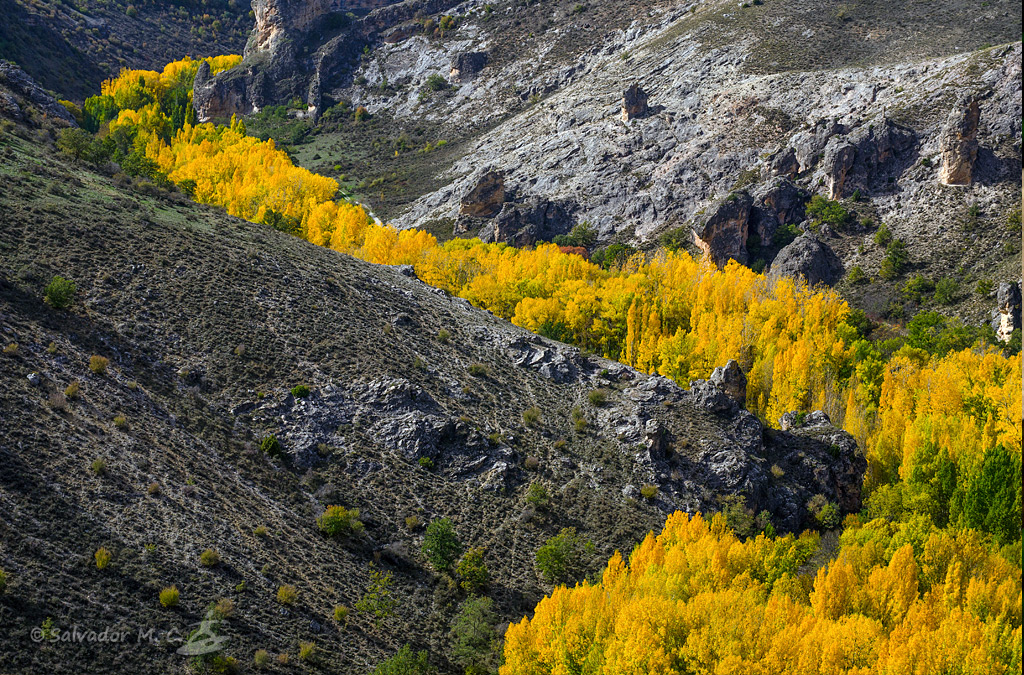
723	234
810	259
486	198
634	103
959	143
836	164
731	380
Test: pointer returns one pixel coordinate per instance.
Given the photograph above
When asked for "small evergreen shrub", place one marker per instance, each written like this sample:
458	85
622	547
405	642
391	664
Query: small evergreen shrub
300	391
209	558
441	545
102	557
59	293
531	416
597	397
169	597
649	491
472	570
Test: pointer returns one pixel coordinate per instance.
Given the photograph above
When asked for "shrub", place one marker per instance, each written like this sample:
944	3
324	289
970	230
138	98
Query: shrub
597	397
475	644
261	531
300	391
306	650
443	335
883	236
1013	220
11	348
261	659
918	288
984	287
59	293
378	599
3	582
412	523
477	370
857	275
538	496
531	463
153	489
472	571
121	422
287	594
269	445
169	597
826	211
563	557
426	463
436	82
224	608
441	545
102	557
337	521
579	419
341	614
649	491
209	558
895	261
98	467
531	416
946	291
405	662
361	114
777	471
98	364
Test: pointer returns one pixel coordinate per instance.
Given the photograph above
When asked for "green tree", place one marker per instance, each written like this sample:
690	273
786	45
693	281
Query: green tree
991	498
75	143
378	599
475	644
441	545
564	557
472	571
405	662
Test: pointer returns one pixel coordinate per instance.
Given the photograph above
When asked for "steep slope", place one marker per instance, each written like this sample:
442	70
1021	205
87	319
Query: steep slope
865	103
208	323
70	47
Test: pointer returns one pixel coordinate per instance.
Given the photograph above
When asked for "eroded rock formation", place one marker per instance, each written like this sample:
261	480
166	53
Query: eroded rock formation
810	259
723	234
959	143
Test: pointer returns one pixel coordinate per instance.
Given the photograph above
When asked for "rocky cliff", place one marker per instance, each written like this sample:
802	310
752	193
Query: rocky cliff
642	118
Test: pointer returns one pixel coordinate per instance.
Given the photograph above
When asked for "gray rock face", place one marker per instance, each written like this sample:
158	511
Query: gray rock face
865	158
634	103
19	92
777	203
723	234
959	143
1006	317
809	258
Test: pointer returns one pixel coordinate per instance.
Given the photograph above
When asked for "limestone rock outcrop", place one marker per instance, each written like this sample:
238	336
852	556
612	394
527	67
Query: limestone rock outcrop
486	198
959	143
723	234
634	103
1006	316
809	258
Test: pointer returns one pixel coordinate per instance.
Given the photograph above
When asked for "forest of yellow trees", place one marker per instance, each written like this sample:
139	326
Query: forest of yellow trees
927	578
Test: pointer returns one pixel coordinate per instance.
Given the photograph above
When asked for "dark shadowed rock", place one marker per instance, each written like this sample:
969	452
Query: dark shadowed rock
810	259
730	379
959	142
535	220
485	200
634	103
19	93
466	65
776	204
723	234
